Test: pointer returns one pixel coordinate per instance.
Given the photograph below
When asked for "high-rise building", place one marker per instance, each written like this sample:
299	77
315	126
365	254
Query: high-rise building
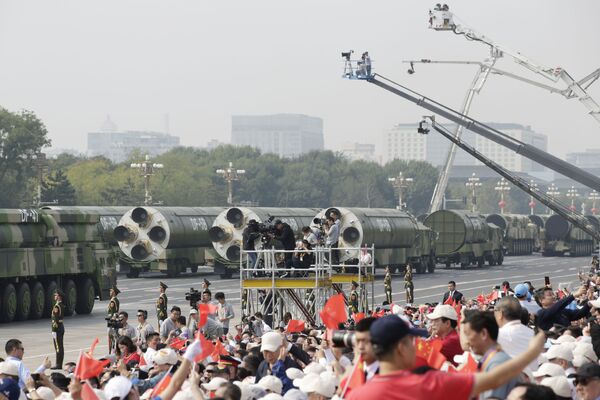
404	142
587	159
117	146
287	135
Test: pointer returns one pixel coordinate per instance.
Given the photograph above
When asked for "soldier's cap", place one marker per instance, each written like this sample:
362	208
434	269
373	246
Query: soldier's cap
390	329
206	282
354	283
252	222
226	360
163	285
116	289
60	293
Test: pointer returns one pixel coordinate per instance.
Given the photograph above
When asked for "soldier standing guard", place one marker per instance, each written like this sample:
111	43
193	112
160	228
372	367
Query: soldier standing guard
112	312
353	302
58	328
595	265
387	285
408	285
161	304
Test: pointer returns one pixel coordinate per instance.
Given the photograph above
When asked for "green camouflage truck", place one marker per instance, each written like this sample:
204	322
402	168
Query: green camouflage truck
42	250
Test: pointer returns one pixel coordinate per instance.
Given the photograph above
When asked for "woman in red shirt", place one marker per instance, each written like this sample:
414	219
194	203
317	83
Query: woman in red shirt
127	350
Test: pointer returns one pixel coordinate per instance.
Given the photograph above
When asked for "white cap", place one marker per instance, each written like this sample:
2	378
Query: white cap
563	339
271	383
559	385
314	368
585	350
214	383
119	386
549	369
295	394
9	368
193	311
397	310
294	373
559	351
443	311
271	341
595	303
272	396
313	383
165	356
45	393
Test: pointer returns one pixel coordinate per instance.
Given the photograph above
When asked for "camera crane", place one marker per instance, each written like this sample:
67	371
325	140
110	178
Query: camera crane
526	150
441	19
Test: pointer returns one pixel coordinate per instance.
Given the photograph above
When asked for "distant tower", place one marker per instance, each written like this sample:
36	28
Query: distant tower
108	125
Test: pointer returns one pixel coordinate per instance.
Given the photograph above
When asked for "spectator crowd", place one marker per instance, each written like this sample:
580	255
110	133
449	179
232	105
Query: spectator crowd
513	343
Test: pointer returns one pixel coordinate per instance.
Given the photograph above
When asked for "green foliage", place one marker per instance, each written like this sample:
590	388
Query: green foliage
56	187
22	136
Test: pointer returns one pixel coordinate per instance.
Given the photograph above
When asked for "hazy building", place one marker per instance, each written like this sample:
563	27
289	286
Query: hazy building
403	142
358	151
117	146
287	135
587	159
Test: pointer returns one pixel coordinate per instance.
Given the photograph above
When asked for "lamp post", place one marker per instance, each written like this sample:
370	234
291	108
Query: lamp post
552	192
594	196
502	186
472	184
400	183
230	174
147	169
532	204
572	194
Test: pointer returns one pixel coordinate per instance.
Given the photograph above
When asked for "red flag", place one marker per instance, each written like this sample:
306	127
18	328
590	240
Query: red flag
205	309
493	296
142	360
162	385
207	348
357	317
94	343
449	300
88	367
334	312
561	294
457	307
428	353
295	325
470	366
219	351
378	314
177	343
481	299
358	375
87	392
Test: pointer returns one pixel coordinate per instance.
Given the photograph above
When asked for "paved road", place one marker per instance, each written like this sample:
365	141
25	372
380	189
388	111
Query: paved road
142	292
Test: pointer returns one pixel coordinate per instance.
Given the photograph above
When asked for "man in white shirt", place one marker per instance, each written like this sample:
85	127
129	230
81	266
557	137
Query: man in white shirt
522	294
513	336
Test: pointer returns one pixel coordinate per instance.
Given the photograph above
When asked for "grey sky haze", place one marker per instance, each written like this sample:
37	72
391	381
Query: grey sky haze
74	62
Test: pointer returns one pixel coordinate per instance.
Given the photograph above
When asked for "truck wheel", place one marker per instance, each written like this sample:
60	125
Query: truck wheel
23	302
71	297
85	297
133	272
480	261
226	273
49	303
8	309
448	265
37	300
430	265
500	258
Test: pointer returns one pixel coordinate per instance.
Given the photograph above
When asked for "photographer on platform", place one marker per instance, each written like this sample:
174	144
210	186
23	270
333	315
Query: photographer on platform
249	236
285	234
332	230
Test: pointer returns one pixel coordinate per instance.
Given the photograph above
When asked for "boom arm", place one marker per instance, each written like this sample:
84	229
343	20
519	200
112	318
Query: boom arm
576	219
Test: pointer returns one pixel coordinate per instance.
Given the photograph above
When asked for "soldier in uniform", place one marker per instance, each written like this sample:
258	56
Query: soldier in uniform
112	312
161	304
594	265
408	285
205	284
353	302
387	285
58	328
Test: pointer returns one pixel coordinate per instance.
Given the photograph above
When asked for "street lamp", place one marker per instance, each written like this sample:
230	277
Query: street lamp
400	183
472	184
594	196
502	186
572	194
534	187
230	174
147	169
552	192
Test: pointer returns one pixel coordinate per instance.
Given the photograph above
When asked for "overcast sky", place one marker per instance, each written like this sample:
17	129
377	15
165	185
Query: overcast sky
73	62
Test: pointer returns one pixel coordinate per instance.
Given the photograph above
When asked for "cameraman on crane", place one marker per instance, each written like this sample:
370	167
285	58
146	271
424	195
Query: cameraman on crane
285	234
249	236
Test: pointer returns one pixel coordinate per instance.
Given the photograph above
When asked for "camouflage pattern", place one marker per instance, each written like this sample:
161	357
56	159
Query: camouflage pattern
520	234
387	286
41	250
161	307
409	286
58	313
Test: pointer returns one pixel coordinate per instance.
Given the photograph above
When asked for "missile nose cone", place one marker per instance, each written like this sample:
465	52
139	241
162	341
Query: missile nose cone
233	253
351	234
140	215
157	234
123	233
139	252
217	234
235	216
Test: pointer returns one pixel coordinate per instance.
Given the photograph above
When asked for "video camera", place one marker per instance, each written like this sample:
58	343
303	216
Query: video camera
113	322
193	296
267	230
343	338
